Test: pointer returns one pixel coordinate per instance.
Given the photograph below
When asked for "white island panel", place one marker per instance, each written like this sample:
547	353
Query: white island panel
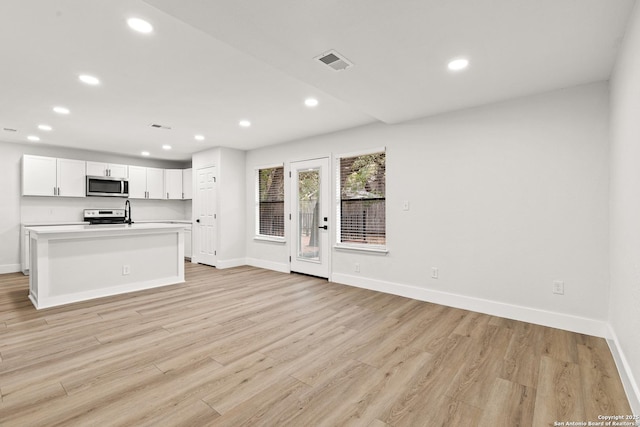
77	263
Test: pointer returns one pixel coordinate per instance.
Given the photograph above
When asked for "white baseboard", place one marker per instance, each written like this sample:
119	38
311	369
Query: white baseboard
269	265
10	268
230	263
631	387
54	301
552	319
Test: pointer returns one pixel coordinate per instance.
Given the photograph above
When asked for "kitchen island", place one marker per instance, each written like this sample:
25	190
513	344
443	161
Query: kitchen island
80	262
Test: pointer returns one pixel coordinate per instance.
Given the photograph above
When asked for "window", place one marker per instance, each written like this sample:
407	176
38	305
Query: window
270	203
361	205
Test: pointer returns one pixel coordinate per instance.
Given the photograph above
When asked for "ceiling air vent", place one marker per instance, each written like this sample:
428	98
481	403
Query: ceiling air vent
157	126
333	59
10	130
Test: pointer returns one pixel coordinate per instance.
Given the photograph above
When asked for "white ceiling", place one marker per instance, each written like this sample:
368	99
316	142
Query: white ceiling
209	64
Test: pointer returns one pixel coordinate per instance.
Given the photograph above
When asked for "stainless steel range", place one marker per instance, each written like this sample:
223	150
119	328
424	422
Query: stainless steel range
104	216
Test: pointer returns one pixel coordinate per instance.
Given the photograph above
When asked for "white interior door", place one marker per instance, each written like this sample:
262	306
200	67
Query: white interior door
310	217
204	232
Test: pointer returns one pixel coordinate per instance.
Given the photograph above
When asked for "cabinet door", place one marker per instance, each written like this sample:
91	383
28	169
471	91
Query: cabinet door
137	182
155	183
118	171
187	184
96	169
71	178
173	183
38	176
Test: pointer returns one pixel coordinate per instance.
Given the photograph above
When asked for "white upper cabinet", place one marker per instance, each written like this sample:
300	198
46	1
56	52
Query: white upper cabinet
71	178
173	183
155	183
39	176
48	176
137	182
146	183
107	169
187	184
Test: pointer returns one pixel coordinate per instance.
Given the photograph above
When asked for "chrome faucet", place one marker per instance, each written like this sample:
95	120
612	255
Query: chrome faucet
127	212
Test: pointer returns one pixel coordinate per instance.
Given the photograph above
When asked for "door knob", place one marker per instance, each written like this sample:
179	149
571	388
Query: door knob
323	227
197	220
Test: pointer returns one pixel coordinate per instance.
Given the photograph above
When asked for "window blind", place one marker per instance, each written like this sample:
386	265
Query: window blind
271	202
362	207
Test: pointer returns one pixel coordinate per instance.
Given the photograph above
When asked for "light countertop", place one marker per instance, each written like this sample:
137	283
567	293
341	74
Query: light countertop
168	221
53	223
105	229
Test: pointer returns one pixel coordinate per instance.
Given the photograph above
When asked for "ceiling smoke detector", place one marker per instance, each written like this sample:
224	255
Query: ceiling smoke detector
334	60
157	126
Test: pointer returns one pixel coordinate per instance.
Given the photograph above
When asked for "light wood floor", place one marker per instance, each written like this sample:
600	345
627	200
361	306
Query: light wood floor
246	346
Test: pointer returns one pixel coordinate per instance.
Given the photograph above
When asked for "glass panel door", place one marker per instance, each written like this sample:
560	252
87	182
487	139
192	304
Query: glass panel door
310	217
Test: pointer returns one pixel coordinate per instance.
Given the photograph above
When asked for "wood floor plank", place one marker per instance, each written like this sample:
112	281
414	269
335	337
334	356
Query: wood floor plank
251	347
320	408
559	395
391	380
560	345
474	379
509	404
423	394
522	358
602	394
193	412
265	409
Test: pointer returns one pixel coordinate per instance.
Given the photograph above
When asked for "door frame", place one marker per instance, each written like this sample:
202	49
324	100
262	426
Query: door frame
330	203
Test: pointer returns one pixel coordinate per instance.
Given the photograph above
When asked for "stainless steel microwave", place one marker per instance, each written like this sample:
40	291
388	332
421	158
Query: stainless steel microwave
107	186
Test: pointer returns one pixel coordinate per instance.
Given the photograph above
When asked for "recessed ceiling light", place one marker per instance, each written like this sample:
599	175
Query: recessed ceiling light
90	80
244	123
166	147
145	153
199	137
310	102
139	25
458	64
33	138
45	127
61	110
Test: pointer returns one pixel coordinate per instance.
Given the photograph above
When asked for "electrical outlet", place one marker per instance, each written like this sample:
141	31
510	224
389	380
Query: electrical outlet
558	287
405	205
434	272
357	268
125	270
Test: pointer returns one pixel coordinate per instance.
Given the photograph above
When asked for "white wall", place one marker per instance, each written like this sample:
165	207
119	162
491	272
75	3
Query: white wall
16	209
625	207
230	206
10	155
504	200
231	197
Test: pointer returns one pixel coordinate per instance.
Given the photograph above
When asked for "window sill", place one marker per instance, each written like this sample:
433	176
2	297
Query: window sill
375	250
270	239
